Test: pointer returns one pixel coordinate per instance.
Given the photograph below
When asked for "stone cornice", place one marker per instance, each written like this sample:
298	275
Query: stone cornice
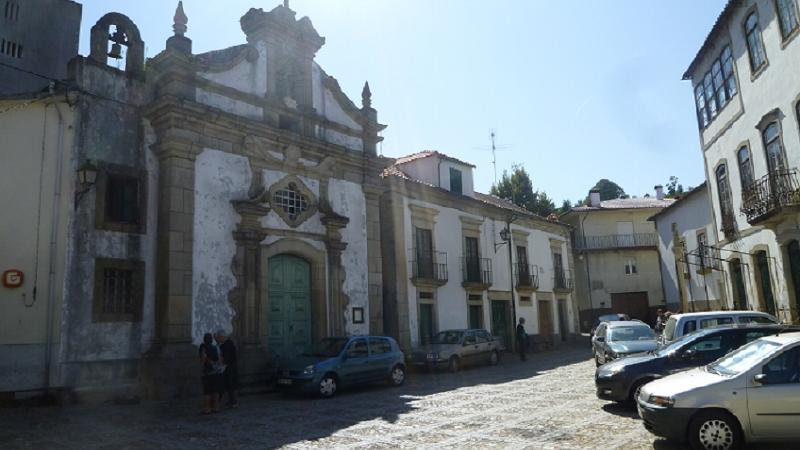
170	112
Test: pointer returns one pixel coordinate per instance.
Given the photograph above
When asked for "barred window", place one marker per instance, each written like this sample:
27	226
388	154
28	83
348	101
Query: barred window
118	290
755	47
291	201
787	15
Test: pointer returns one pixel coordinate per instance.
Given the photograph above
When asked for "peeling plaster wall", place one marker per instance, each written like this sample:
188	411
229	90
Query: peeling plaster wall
347	199
250	77
228	104
350	142
111	133
219	178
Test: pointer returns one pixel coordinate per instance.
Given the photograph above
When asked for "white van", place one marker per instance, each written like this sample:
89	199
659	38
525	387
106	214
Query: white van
682	324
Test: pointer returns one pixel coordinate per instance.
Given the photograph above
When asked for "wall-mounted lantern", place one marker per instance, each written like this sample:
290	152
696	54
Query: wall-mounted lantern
87	176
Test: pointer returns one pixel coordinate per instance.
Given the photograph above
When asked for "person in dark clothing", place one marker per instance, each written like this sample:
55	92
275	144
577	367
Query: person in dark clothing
231	374
522	339
212	374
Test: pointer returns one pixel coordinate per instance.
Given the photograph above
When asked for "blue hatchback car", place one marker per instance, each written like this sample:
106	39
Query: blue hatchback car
338	362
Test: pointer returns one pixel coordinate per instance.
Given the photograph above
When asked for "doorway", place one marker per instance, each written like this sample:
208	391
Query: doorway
765	281
737	280
794	267
563	327
634	304
289	319
500	319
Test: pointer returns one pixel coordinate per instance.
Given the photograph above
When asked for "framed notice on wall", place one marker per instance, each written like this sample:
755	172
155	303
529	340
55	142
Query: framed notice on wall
358	315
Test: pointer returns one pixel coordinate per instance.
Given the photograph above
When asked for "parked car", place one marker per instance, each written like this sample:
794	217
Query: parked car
680	324
751	395
338	362
614	340
454	348
619	380
607	318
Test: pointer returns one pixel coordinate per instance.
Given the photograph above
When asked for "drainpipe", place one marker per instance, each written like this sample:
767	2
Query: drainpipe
51	298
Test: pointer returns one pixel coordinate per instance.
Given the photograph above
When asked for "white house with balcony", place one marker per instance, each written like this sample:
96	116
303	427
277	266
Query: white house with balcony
617	266
747	92
691	267
446	258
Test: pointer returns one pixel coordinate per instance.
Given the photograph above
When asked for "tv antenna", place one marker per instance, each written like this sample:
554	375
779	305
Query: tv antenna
494	148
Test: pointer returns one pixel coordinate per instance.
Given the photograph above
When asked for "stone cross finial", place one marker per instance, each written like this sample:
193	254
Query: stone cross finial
366	96
180	20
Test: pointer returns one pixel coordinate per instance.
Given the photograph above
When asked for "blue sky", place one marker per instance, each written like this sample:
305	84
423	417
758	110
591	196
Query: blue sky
576	90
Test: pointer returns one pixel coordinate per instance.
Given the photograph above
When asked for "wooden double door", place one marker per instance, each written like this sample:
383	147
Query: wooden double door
289	311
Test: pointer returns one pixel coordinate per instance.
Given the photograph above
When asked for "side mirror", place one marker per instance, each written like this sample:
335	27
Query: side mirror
600	339
761	378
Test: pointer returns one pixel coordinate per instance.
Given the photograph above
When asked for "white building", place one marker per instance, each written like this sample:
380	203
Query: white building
446	265
747	91
691	270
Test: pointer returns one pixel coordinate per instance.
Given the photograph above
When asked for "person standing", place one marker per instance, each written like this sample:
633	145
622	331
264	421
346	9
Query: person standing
231	375
522	339
659	327
212	375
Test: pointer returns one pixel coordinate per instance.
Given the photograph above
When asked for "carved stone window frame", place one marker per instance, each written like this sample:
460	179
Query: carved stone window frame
137	290
301	187
102	222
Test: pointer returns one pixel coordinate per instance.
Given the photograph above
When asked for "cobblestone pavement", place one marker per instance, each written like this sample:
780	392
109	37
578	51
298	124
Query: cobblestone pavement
547	402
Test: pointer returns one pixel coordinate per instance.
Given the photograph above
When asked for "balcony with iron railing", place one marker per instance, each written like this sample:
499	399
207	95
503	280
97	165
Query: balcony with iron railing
526	277
562	281
705	258
429	271
616	241
769	194
476	272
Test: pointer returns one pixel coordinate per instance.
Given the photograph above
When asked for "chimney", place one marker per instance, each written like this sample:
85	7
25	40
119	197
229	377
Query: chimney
594	198
659	192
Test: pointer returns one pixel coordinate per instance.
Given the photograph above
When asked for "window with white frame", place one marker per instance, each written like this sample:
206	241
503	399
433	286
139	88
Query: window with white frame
630	267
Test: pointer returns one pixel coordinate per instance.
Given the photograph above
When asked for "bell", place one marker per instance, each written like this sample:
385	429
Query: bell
116	51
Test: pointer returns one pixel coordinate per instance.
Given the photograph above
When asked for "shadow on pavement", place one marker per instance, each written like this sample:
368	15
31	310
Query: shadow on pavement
265	420
621	409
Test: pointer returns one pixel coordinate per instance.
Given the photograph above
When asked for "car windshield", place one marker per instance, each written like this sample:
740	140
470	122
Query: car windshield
744	358
328	347
634	333
448	337
664	351
669	329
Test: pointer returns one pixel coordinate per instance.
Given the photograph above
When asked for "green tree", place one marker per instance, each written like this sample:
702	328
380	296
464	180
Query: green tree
566	205
608	190
518	189
674	189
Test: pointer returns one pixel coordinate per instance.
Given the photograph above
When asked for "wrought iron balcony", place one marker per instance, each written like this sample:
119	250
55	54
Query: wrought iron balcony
767	195
612	241
706	258
476	272
562	281
430	270
526	276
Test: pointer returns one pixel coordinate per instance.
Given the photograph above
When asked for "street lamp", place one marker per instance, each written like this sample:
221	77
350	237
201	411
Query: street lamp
87	176
505	236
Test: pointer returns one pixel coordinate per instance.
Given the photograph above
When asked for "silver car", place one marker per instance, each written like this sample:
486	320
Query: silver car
454	348
618	339
750	395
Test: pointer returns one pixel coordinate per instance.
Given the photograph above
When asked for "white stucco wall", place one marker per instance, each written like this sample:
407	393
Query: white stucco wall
219	178
777	86
467	187
451	299
691	216
246	76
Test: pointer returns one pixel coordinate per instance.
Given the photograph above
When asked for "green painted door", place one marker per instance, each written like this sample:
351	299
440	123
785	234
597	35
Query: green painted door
500	327
289	317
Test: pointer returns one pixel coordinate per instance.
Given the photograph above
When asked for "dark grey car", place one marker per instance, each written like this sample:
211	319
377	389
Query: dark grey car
614	340
454	348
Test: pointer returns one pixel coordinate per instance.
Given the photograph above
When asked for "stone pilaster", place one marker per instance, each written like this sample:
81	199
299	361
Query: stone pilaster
334	223
246	298
374	260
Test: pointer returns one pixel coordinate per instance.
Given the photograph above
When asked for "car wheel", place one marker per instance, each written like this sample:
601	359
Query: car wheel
715	430
453	364
327	386
493	358
398	375
635	390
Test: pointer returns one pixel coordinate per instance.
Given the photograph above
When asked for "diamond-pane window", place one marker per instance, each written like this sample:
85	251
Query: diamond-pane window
291	201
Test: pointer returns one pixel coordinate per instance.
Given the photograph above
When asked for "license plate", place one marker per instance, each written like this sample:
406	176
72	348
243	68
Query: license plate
431	357
285	381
